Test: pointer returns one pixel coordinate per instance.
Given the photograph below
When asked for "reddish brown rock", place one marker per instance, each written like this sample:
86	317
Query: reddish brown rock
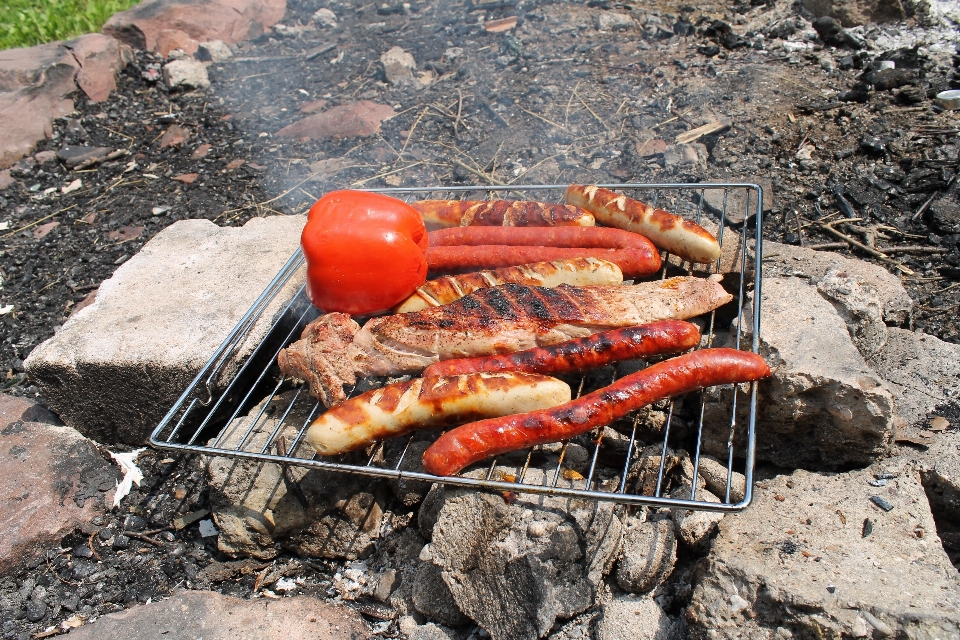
229	20
171	39
353	120
101	58
174	136
186	178
313	106
53	480
44	230
35	83
651	147
27	115
125	233
201	151
213	616
235	164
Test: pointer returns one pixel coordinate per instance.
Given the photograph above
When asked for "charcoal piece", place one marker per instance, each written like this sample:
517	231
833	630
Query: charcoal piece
708	50
733	41
911	95
886	79
835	35
880	502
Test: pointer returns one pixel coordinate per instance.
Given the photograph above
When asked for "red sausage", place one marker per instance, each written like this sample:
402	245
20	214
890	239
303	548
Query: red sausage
670	336
474	248
594	237
452	260
475	441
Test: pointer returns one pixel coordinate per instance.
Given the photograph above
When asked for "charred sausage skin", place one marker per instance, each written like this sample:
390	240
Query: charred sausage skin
608	347
472	442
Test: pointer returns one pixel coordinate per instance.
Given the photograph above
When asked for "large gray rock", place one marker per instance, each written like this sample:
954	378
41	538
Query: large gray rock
517	568
860	307
824	407
256	513
817	557
117	366
212	616
629	618
921	372
940	473
53	480
787	260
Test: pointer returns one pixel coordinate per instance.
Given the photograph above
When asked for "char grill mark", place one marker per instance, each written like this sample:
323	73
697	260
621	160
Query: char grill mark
514	302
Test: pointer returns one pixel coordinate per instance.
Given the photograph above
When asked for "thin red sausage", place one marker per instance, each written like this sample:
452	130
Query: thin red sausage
466	249
669	336
634	263
469	443
595	237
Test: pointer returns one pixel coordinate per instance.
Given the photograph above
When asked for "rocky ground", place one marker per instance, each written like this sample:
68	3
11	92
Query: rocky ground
857	160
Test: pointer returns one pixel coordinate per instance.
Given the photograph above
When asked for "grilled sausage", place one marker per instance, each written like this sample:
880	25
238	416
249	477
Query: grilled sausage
670	336
438	214
576	271
473	248
670	232
469	443
422	404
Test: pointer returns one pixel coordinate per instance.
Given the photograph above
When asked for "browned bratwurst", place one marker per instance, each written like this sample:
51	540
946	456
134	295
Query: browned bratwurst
439	214
667	231
472	442
608	347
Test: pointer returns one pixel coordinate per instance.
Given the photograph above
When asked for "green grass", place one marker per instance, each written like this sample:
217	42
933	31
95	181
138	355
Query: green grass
24	23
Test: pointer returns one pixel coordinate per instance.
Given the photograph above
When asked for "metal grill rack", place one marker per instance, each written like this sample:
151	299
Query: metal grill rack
258	415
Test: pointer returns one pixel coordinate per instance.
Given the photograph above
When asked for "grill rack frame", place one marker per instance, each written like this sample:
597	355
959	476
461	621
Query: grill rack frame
193	396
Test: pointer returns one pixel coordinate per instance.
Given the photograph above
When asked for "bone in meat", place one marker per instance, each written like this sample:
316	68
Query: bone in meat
499	319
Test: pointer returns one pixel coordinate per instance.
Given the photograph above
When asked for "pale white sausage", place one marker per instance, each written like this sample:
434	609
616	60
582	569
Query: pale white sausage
418	404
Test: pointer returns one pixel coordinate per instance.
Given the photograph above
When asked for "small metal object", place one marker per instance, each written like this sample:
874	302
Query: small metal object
949	99
880	502
218	416
882	482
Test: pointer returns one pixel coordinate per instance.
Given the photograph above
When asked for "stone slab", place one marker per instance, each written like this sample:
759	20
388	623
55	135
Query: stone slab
921	372
788	260
213	616
940	472
816	556
53	480
824	407
231	21
117	366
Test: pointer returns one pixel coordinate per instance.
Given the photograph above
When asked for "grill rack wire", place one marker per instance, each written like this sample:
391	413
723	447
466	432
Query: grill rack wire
205	414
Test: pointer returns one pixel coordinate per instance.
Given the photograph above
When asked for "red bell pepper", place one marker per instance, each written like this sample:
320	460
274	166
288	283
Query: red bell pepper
364	251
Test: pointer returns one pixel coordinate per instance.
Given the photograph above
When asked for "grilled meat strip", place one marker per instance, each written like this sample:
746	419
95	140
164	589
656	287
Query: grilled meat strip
334	350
